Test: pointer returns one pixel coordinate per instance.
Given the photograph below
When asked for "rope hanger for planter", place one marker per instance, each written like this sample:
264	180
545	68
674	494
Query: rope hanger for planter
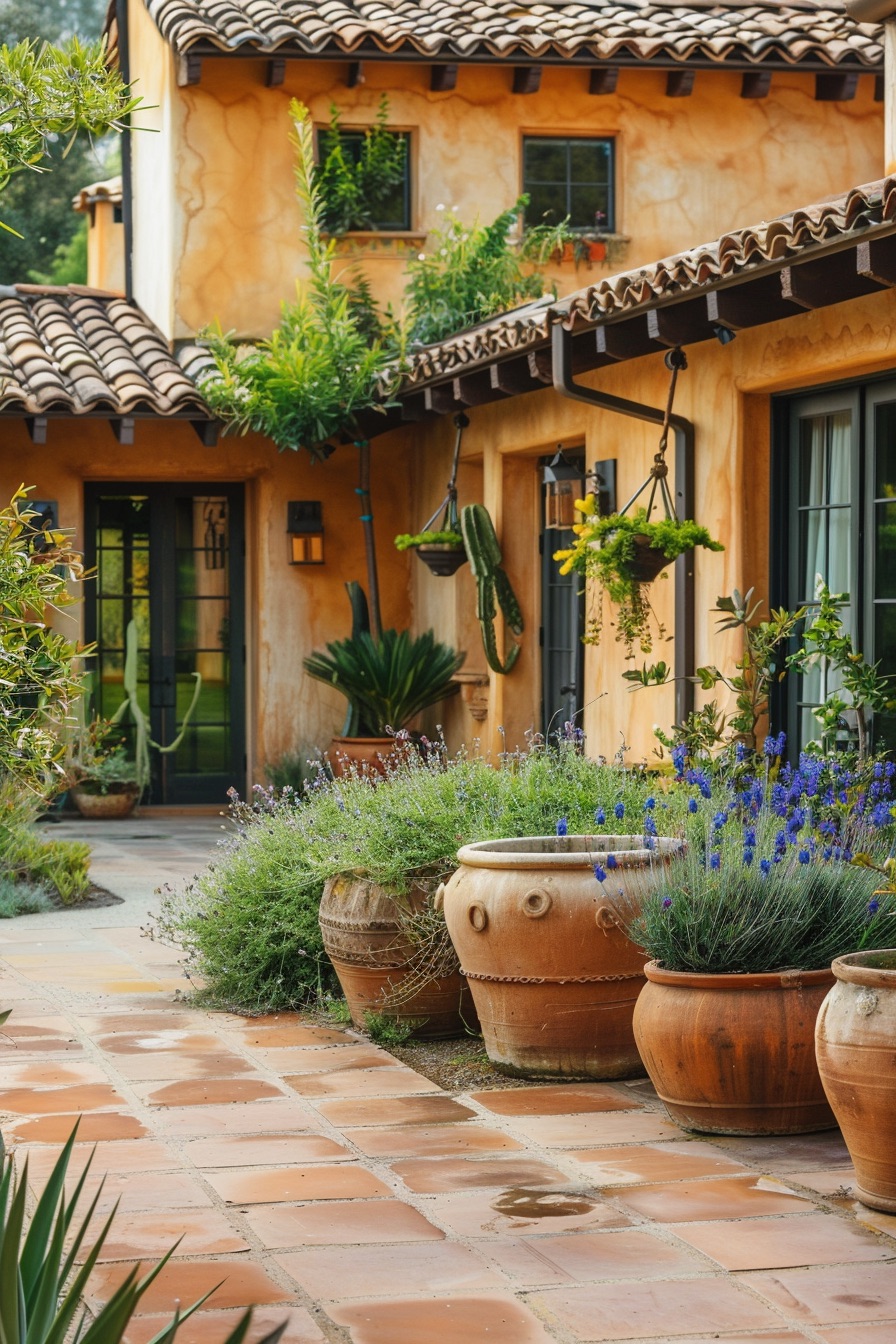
676	360
448	506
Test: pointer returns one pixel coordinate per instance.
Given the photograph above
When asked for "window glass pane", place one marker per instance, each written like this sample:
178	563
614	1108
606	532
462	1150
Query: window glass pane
588	207
885	450
885	551
589	160
579	172
547	205
544	161
392	210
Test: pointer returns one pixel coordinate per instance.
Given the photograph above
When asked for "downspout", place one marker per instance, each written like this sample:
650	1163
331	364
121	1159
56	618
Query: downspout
565	384
127	218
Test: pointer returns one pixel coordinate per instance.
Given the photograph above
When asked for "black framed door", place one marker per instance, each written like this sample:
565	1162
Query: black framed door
562	631
170	558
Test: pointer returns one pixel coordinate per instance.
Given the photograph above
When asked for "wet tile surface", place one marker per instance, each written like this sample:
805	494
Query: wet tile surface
437	1175
647	1310
726	1197
831	1295
781	1243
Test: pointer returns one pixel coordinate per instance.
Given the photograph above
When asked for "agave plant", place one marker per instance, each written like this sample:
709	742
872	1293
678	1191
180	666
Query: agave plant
42	1281
386	681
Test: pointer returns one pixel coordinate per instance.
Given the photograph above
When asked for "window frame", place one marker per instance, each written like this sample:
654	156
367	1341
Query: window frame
569	138
358	132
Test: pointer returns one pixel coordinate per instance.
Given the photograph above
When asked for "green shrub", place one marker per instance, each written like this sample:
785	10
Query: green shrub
22	898
249	923
61	865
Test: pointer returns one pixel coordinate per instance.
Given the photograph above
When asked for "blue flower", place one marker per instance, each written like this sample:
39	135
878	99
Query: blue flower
873	906
692	805
740	751
804	856
749	855
679	756
770	747
765	867
612	861
649	825
827	853
719	820
698	778
600	817
649	803
667	901
562	827
881	814
619	811
715	860
749	836
600	873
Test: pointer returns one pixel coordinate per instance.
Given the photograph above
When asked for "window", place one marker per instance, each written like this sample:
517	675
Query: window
368	186
569	176
838	478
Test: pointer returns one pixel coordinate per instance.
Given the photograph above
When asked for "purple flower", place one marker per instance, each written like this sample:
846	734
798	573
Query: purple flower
619	811
612	861
765	867
749	836
740	751
770	747
600	817
600	873
667	901
873	906
649	825
679	756
749	855
649	804
804	856
562	827
719	820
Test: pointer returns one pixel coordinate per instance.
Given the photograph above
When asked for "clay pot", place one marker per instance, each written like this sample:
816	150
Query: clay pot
733	1054
365	938
367	754
855	1042
552	973
105	806
442	559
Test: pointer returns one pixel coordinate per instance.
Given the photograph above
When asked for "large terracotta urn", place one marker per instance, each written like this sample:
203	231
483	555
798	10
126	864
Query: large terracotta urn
855	1041
734	1054
366	755
552	973
365	934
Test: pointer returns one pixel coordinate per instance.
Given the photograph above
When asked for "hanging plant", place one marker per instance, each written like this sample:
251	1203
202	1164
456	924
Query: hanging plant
442	550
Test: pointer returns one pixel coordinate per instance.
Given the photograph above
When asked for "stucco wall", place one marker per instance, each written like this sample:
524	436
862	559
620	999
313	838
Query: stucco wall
687	168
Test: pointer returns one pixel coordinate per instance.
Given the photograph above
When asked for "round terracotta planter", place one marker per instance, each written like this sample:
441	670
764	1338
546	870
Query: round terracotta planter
855	1042
553	976
733	1054
364	937
104	806
367	754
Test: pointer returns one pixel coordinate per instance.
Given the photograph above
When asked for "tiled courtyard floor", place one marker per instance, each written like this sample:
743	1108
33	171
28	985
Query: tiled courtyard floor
311	1174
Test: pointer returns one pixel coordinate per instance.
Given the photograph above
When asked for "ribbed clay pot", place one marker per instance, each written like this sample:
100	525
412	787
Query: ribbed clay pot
733	1054
553	976
364	937
855	1041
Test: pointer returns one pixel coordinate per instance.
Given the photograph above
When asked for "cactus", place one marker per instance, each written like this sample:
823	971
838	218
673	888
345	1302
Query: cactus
142	739
492	583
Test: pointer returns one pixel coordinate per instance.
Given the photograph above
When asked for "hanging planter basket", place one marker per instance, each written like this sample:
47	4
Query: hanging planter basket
442	549
648	561
442	558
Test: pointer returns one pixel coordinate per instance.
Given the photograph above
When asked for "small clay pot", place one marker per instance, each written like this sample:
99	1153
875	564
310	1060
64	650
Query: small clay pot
855	1042
105	806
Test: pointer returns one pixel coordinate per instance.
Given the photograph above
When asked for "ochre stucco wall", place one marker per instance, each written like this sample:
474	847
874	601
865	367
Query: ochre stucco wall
726	393
223	208
289	610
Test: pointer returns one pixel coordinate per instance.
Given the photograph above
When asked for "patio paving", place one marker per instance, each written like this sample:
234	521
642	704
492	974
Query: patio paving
310	1174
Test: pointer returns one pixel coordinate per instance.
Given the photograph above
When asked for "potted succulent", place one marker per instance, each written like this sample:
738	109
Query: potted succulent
386	681
443	551
623	553
741	931
103	780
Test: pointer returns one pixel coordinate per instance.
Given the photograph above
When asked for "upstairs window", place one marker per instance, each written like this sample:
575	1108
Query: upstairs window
569	176
364	176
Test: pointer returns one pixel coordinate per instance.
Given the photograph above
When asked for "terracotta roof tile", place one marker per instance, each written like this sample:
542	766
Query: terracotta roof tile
787	31
75	350
110	191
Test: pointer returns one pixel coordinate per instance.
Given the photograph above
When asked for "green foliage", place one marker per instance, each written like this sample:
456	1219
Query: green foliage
473	271
606	551
307	382
69	264
355	191
294	771
386	681
385	1030
60	865
22	898
826	642
407	542
493	587
249	924
46	1262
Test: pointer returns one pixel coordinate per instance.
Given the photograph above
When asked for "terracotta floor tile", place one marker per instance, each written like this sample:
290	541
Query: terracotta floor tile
455	1320
281	1116
325	1058
51	1073
439	1141
394	1111
586	1257
275	1185
27	1026
788	1152
122	1156
563	1099
859	1334
271	1038
102	1024
831	1181
185	1281
826	1296
92	1129
647	1309
362	1083
142	1191
210	1092
212	1327
27	1047
881	1222
60	1100
150	1235
351	1223
633	1165
149	1042
376	1271
347	1272
176	1065
523	1213
264	1150
781	1243
727	1197
434	1175
567	1131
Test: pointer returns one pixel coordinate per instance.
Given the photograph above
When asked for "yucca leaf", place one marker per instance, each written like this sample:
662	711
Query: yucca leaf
12	1306
40	1231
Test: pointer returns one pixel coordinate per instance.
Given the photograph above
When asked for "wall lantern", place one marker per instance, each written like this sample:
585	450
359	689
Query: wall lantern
305	530
565	483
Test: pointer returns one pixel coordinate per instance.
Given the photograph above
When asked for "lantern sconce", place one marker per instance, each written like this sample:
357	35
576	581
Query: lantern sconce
565	482
305	531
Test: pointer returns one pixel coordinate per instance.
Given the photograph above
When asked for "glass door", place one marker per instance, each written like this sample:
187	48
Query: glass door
170	559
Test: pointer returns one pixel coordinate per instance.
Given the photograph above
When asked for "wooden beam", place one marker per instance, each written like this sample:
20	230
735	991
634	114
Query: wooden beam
623	340
681	324
527	79
189	70
749	305
37	428
123	430
206	431
755	84
829	280
876	260
355	74
836	87
275	72
475	389
513	377
440	400
680	83
604	79
443	78
878	88
541	366
413	407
